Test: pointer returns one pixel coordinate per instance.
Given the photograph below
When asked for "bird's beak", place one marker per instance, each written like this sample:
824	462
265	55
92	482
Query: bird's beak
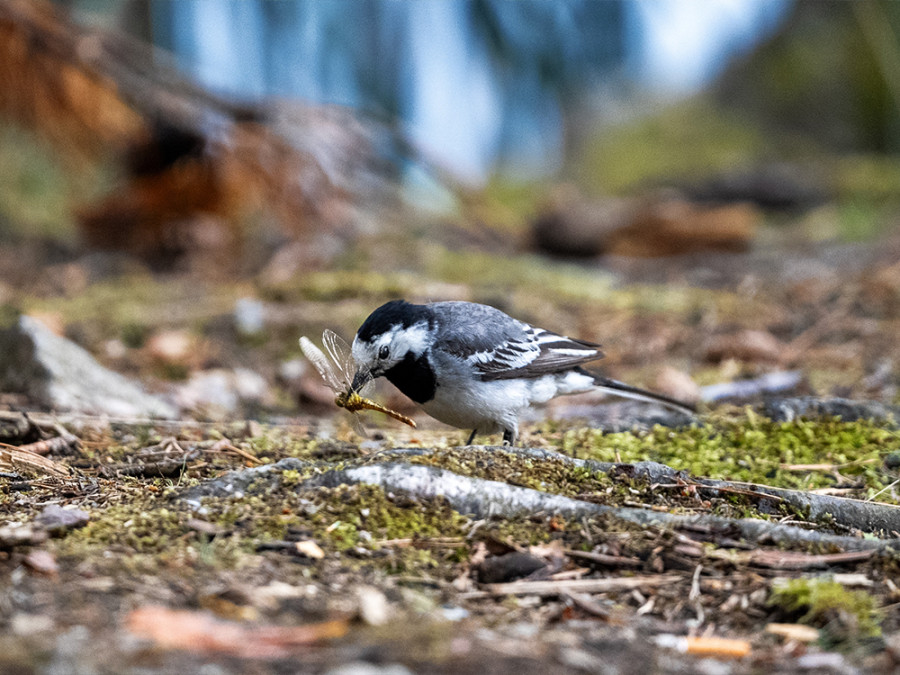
360	379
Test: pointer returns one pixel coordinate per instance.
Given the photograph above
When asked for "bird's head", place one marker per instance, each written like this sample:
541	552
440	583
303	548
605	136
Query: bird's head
394	332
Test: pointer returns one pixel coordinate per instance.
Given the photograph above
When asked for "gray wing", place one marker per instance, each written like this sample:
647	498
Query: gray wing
499	347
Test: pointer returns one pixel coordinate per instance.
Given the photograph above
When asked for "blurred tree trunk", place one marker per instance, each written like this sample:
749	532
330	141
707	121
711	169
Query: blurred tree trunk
136	19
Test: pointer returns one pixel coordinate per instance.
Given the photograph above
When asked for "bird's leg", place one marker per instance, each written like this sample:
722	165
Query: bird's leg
509	437
472	437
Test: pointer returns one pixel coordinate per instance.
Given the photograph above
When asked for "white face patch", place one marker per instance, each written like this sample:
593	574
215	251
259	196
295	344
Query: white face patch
398	342
416	339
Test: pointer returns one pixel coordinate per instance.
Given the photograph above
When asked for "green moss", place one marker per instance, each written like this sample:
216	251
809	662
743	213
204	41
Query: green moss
505	204
756	450
290	477
369	508
872	178
527	274
339	284
533	285
860	219
277	443
132	305
144	526
36	189
824	603
698	138
350	517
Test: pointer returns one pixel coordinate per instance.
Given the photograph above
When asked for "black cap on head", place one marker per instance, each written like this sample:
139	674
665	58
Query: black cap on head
390	314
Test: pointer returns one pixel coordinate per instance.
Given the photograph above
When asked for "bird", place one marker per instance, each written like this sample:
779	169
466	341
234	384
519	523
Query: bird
472	366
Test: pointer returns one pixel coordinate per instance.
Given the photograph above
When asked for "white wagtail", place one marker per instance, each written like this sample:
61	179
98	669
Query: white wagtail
473	367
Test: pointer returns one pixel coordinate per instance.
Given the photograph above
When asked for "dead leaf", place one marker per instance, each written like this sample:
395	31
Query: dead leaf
374	608
42	562
200	632
793	631
747	345
678	384
717	646
310	549
705	645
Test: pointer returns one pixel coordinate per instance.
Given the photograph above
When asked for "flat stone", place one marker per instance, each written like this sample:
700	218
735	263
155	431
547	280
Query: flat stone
503	568
56	519
60	375
221	393
789	409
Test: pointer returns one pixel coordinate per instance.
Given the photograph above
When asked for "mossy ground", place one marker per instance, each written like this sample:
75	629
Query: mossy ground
139	513
825	603
802	454
144	545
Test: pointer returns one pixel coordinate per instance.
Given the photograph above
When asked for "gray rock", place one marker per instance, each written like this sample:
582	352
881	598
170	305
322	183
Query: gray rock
575	226
364	668
776	186
810	407
56	520
60	375
249	316
221	393
236	483
19	534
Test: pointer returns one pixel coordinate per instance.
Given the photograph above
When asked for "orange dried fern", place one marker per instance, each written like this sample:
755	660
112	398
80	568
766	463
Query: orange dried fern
190	160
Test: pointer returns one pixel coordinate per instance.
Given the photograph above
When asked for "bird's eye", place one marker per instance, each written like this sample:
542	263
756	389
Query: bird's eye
384	352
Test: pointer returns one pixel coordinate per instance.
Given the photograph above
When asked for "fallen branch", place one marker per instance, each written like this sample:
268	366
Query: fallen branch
604	559
851	513
553	588
793	631
827	467
235	483
224	445
790	560
16	427
765	384
587	604
53	446
485	499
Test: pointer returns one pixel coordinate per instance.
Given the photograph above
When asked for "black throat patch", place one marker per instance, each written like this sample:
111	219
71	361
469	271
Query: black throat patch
414	377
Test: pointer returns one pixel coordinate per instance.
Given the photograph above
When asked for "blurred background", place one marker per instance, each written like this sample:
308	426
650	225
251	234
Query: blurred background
710	189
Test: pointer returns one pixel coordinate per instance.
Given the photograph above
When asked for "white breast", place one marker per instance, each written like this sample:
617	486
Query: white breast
493	406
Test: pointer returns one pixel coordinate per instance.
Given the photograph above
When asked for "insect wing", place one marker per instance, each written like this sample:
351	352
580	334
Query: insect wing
322	364
336	371
342	355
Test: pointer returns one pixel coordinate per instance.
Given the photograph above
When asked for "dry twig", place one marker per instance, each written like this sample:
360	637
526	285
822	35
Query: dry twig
52	446
604	559
567	587
790	560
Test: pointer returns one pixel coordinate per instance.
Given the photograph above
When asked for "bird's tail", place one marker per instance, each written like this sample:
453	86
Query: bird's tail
623	390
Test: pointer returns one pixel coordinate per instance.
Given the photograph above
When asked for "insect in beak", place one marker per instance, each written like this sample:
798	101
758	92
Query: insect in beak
336	373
